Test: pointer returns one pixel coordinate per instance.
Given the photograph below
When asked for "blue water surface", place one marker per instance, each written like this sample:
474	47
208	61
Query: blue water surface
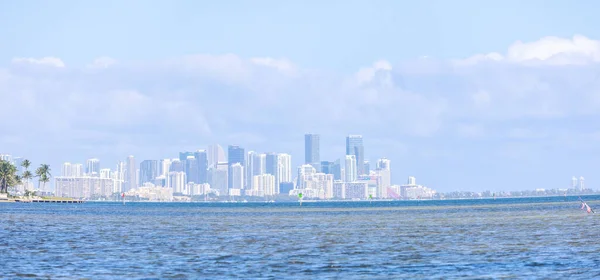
550	238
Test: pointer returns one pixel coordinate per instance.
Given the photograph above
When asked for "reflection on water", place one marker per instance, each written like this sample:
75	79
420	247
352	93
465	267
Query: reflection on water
524	238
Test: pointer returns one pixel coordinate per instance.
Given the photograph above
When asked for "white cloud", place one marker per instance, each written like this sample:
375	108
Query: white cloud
548	50
102	62
280	64
49	61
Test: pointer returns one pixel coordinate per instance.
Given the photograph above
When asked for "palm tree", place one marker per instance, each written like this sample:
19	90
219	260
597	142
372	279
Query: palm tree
43	174
26	174
26	163
7	175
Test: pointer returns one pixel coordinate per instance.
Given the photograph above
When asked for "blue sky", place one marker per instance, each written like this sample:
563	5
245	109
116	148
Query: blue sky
442	88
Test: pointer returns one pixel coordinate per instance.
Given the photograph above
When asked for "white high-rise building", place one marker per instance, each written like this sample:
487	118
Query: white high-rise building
383	170
105	173
263	185
177	181
581	183
574	182
77	170
412	181
284	169
66	170
351	172
256	164
237	176
164	166
303	171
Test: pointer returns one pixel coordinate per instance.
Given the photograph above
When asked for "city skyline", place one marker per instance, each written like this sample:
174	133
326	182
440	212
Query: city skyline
426	83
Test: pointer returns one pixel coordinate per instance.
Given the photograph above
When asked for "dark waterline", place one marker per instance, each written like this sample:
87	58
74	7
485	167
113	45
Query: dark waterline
545	237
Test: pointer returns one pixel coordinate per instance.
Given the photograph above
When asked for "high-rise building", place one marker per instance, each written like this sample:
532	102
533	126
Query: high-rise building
215	155
237	176
312	150
77	170
284	170
202	163
263	185
6	157
190	168
366	168
217	177
326	167
131	178
574	182
354	146
271	163
385	172
148	171
164	167
336	170
177	165
383	163
177	181
184	155
581	183
350	169
235	154
105	173
66	170
256	164
92	167
412	181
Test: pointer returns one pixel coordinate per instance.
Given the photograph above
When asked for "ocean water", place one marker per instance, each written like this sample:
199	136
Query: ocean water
524	238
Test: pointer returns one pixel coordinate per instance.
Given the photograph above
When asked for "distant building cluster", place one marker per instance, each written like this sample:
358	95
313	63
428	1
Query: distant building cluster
214	173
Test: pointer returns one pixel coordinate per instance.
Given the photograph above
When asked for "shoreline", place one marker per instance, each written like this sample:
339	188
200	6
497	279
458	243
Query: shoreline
347	201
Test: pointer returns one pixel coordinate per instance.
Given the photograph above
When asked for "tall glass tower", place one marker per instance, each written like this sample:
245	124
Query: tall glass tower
354	146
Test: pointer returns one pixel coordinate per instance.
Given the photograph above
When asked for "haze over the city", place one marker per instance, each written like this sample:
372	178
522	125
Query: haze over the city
457	94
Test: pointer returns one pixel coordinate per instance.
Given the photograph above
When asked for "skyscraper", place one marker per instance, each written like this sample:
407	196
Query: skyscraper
383	163
354	146
215	155
312	150
366	167
148	171
256	164
271	165
336	170
384	171
177	165
581	183
164	166
284	170
191	169
92	167
217	177
66	170
131	174
237	176
235	154
202	164
351	174
184	155
326	167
